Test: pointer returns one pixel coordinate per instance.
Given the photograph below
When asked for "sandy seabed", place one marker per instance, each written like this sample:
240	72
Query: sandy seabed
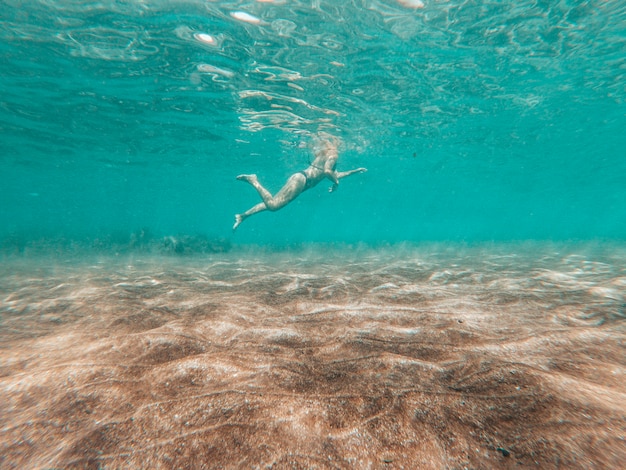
419	358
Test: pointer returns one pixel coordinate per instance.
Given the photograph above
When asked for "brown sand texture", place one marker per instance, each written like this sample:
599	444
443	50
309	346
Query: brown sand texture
415	358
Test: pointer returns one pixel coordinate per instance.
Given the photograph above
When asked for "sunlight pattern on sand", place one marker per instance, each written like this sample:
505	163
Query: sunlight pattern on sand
416	358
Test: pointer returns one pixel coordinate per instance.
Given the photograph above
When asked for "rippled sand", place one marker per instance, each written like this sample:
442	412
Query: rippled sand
432	357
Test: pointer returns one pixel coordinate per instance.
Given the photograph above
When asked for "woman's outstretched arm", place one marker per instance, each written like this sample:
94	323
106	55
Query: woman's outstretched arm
342	174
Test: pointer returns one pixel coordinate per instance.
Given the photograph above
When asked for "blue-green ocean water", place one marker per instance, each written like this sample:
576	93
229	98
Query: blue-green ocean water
477	120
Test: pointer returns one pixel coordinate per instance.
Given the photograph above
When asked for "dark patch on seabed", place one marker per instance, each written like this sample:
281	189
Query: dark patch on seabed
427	357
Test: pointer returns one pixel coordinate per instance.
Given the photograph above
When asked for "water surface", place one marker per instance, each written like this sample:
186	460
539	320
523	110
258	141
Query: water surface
477	120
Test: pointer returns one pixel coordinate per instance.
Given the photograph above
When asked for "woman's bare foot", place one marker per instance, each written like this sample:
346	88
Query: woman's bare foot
249	178
238	220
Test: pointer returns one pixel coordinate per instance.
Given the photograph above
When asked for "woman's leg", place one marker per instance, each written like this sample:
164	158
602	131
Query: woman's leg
254	210
291	190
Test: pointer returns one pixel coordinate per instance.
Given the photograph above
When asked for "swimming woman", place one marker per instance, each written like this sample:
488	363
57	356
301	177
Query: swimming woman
323	166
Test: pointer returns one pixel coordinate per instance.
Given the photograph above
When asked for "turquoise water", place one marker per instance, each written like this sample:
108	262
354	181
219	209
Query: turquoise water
459	305
477	120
